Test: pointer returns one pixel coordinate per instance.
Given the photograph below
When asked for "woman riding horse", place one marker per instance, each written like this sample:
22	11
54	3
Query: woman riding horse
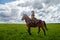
39	24
33	19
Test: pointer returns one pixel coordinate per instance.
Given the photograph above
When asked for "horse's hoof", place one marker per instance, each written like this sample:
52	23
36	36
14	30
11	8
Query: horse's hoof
47	29
30	34
44	34
38	32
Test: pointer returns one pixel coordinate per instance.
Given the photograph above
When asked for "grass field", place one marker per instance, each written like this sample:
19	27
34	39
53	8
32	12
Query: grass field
19	32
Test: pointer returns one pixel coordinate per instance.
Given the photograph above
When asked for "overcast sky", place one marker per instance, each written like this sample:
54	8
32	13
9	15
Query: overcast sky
11	10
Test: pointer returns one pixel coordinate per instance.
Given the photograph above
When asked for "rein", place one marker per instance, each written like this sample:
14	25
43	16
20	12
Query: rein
27	19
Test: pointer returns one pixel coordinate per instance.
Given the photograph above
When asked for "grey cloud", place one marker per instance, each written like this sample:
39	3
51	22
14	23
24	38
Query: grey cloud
27	3
7	16
34	4
47	14
51	2
37	5
26	12
2	14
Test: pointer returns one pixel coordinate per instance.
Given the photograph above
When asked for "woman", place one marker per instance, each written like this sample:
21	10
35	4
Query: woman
33	19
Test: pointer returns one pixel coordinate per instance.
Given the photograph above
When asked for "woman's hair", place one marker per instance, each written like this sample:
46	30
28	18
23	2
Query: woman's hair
32	13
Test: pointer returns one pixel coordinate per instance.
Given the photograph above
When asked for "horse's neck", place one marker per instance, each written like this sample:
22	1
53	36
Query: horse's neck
27	19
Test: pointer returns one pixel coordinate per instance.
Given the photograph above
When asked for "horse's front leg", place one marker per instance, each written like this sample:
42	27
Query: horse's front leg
44	31
29	31
38	30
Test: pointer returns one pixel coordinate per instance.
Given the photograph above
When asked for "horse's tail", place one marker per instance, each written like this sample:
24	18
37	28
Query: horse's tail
45	25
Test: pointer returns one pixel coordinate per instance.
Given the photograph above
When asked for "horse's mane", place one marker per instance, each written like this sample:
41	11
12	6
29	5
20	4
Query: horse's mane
27	16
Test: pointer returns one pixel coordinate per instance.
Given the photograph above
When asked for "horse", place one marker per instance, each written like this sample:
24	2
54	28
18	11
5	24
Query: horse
39	24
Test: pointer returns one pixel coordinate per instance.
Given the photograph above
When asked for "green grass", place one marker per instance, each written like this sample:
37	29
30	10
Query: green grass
19	32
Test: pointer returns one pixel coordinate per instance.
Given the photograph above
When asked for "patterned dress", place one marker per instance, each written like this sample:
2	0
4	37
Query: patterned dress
33	19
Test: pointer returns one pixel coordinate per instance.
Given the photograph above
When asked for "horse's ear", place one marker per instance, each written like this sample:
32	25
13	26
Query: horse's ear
23	13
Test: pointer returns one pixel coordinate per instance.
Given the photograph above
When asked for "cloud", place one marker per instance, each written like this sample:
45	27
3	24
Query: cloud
5	1
38	4
7	13
47	10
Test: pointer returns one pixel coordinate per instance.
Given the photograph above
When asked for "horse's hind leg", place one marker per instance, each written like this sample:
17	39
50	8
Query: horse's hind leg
29	31
38	30
44	31
45	26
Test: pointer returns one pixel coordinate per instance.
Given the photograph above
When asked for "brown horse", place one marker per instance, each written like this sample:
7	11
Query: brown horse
39	24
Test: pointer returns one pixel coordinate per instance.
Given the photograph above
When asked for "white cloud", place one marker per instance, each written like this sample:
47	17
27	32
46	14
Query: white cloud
47	10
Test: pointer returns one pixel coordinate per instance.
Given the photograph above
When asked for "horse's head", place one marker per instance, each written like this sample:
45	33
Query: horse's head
24	16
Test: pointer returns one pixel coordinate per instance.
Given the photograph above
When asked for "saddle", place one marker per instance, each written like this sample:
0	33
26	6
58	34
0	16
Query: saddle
34	22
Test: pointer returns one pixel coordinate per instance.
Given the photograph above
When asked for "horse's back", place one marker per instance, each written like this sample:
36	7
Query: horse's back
35	24
32	24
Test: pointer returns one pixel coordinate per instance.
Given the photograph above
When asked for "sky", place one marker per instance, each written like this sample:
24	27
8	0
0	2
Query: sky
11	11
6	1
